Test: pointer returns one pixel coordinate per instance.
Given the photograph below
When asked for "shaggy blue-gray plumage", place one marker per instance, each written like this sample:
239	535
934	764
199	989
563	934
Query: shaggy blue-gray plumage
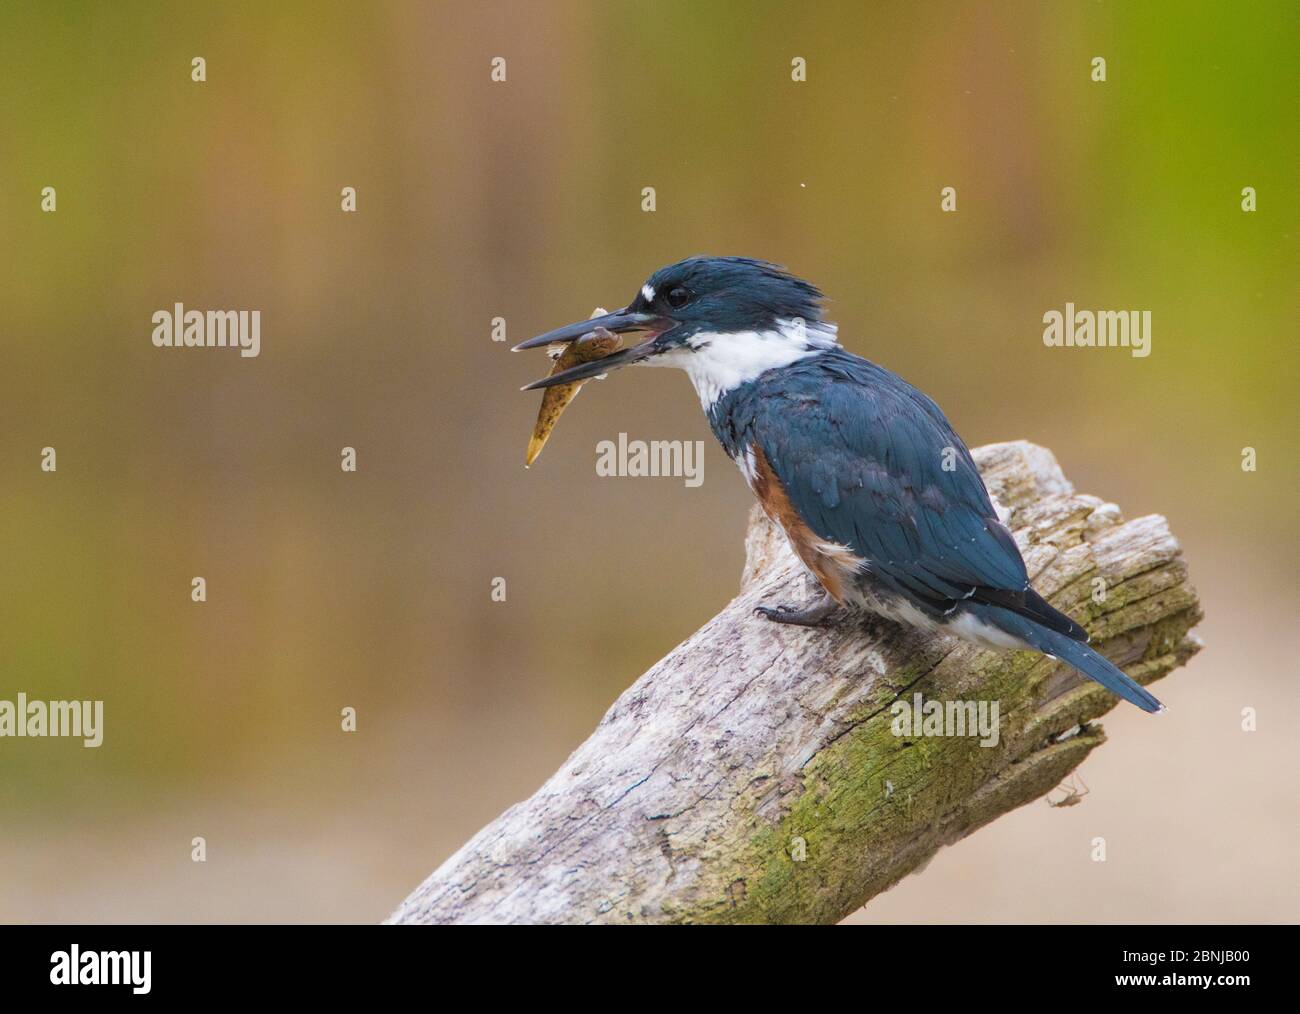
730	294
862	455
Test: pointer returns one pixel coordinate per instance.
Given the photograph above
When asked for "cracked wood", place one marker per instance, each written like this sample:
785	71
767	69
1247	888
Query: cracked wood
752	775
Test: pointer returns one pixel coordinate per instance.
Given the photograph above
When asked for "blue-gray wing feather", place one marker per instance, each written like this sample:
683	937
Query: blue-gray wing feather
871	463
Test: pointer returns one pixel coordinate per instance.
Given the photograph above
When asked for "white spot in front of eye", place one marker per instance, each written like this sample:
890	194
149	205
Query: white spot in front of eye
648	291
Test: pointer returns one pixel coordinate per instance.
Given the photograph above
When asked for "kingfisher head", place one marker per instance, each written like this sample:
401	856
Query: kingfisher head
724	320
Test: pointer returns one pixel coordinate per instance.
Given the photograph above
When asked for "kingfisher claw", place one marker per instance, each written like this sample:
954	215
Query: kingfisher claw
816	614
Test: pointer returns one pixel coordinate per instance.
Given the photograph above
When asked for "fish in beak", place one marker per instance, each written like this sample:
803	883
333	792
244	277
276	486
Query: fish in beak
593	346
619	322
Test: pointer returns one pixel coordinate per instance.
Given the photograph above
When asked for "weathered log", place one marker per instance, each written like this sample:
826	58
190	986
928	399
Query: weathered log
754	774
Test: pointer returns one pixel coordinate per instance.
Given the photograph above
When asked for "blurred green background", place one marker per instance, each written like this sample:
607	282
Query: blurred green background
522	200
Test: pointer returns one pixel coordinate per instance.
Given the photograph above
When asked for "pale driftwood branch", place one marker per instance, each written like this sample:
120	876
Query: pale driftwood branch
753	776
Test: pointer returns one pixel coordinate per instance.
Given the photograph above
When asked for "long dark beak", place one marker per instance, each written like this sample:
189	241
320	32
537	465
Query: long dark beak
582	371
619	322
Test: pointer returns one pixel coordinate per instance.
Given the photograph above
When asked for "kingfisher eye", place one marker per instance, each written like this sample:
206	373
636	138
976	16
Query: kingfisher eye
679	297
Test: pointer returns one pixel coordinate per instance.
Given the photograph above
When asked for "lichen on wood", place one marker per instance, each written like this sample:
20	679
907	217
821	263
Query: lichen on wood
754	774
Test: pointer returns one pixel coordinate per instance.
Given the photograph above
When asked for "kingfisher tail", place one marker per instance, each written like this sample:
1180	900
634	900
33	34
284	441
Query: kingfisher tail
1076	653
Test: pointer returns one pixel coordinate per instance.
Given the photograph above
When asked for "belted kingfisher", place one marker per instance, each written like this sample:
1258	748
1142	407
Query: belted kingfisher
878	497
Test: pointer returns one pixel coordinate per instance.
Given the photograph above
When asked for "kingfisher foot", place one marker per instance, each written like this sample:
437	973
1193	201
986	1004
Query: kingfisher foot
819	613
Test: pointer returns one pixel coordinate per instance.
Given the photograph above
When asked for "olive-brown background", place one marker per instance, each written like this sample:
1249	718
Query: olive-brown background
522	200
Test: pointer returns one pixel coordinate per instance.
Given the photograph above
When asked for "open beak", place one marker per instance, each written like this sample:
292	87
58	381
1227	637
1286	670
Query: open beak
620	322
